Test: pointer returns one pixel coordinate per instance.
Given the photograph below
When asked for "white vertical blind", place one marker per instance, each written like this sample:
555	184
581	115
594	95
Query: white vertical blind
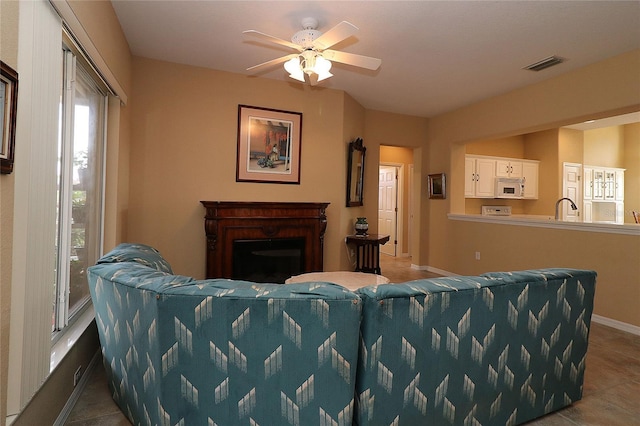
40	77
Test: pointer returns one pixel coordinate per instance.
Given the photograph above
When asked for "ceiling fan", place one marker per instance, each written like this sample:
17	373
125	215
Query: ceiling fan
313	56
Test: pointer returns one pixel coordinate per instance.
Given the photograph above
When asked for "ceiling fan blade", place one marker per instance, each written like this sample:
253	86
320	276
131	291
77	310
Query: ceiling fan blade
273	62
273	39
352	59
335	35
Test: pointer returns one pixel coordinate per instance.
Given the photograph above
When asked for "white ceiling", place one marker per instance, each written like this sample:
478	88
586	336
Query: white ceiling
436	55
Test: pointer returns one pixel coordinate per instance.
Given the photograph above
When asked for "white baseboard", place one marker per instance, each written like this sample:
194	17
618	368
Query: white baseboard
619	325
77	391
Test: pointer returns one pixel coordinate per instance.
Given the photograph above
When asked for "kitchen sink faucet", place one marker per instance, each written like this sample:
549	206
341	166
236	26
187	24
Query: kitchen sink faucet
573	205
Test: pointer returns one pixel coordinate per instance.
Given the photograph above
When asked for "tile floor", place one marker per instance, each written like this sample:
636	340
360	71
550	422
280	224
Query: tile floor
611	390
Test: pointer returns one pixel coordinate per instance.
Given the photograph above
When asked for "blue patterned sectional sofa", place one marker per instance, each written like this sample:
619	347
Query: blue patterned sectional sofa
501	348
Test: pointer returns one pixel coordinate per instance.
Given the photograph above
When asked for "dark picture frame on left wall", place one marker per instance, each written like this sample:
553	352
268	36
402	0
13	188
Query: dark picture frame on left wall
269	143
8	110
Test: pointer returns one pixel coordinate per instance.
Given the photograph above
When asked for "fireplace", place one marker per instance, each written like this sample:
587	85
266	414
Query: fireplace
264	241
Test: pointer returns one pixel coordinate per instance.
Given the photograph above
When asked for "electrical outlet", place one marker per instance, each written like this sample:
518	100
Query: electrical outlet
76	376
477	255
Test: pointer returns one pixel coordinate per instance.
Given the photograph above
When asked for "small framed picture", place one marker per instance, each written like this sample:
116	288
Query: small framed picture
437	186
8	107
268	145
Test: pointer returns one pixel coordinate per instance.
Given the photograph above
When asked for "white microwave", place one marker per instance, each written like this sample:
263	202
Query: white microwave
509	187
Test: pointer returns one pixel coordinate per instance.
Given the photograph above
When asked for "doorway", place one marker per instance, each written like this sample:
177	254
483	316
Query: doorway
572	188
390	206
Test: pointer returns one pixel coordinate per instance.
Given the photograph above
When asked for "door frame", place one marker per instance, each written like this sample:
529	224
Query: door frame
580	196
399	203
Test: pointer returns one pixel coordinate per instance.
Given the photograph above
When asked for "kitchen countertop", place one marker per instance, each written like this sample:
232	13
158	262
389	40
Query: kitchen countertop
549	222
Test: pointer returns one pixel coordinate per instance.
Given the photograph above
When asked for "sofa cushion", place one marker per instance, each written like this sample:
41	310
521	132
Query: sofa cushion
139	253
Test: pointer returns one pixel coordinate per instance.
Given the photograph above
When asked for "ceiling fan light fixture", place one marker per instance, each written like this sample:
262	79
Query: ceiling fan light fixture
292	66
308	62
322	68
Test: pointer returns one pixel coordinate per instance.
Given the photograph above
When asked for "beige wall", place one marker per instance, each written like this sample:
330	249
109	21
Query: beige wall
103	28
9	14
183	150
383	128
547	105
353	127
510	147
604	147
571	145
543	146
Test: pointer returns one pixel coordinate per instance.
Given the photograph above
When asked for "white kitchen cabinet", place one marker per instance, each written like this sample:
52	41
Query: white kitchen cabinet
479	177
587	174
481	171
598	184
587	211
619	185
603	194
506	167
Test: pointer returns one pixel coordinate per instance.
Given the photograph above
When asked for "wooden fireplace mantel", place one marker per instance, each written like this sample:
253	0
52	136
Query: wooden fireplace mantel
228	221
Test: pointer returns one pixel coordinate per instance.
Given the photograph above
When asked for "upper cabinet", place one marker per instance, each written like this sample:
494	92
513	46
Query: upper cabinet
603	194
506	167
603	183
480	176
481	172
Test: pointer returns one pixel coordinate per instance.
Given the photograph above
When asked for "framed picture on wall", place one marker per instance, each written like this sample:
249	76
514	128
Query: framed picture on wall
437	186
8	107
268	145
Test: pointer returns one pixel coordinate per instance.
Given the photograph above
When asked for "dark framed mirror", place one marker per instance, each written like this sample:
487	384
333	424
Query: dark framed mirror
355	173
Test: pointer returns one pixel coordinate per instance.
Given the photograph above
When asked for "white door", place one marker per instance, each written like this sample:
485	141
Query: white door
387	207
571	186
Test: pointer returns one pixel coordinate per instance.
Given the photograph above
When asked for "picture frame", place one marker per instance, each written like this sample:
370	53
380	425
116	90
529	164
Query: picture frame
8	109
437	186
355	173
269	144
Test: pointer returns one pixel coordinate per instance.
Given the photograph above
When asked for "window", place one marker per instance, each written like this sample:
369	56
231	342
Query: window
81	142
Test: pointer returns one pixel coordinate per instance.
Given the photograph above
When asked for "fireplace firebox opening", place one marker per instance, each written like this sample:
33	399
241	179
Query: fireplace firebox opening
268	260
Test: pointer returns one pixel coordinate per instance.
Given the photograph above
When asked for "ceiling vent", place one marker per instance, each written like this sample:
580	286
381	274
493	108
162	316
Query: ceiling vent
545	63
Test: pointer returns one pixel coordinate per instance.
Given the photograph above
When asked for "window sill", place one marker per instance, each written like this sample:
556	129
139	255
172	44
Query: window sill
70	336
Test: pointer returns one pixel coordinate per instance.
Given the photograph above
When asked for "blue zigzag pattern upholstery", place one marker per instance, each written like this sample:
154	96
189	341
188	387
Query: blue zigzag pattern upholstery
498	349
178	351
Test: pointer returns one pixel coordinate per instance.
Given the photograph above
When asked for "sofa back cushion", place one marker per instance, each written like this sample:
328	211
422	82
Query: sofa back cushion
501	348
